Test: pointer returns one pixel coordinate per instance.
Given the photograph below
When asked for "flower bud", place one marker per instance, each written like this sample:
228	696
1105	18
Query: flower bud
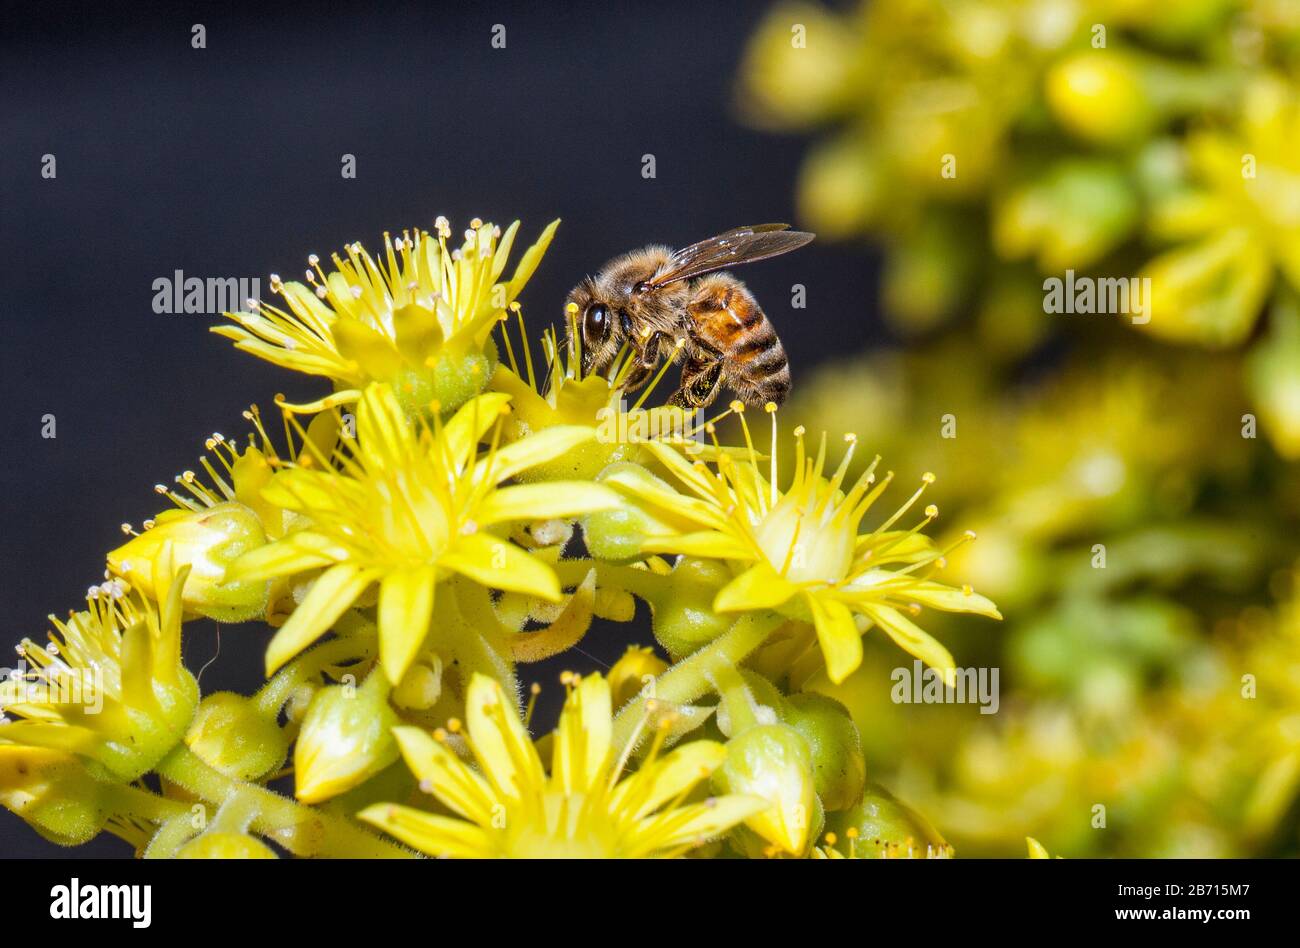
684	620
1101	97
233	735
631	673
882	826
839	766
208	541
617	534
226	846
53	792
421	686
772	761
345	739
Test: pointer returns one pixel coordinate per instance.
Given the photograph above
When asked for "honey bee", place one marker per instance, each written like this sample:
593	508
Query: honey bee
676	305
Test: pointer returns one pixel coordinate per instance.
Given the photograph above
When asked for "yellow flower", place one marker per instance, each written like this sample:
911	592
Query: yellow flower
799	550
510	807
1234	226
419	319
109	685
408	507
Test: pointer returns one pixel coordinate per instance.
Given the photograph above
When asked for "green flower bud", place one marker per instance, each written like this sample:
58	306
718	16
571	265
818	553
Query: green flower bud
839	766
208	541
617	534
53	792
684	620
345	738
882	826
773	761
233	735
226	846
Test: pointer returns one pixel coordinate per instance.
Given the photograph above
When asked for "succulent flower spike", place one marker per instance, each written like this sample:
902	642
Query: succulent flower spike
418	320
109	686
801	550
408	506
585	807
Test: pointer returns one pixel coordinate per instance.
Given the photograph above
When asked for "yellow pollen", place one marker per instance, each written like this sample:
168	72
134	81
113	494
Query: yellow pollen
769	407
932	511
570	308
453	725
800	431
928	477
737	406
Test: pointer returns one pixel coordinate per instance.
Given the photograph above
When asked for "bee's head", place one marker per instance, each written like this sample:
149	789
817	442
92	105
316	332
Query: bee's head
601	323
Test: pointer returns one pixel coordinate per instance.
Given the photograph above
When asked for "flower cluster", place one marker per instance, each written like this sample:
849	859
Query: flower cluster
993	144
433	525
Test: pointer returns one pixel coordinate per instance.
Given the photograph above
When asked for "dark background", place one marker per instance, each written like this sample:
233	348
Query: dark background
225	161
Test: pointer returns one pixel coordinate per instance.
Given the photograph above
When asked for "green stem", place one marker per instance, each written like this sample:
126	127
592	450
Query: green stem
171	836
640	582
271	697
301	830
689	679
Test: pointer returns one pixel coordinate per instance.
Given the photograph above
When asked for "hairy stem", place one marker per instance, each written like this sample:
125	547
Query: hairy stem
689	679
301	830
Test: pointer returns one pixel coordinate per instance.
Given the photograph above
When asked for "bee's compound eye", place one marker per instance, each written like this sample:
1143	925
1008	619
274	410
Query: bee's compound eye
595	322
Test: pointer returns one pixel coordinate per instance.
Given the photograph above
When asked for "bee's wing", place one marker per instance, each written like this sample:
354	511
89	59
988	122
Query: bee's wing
740	245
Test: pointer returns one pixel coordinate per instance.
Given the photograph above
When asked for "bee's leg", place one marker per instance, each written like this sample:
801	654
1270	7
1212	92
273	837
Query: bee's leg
645	356
701	379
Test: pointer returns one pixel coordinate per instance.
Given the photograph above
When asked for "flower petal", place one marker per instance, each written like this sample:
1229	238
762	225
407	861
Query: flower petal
544	501
381	428
494	562
694	824
331	595
665	779
296	553
582	745
706	543
759	587
405	607
440	836
837	634
912	638
466	428
445	775
502	746
545	445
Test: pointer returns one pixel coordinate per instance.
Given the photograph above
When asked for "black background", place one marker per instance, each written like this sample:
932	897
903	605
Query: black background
225	161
